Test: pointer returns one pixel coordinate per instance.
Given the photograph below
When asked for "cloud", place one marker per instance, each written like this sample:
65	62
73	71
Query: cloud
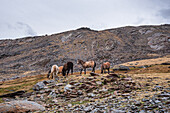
20	18
27	28
165	13
13	30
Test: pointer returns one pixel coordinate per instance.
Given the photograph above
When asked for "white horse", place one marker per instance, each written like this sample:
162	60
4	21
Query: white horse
53	72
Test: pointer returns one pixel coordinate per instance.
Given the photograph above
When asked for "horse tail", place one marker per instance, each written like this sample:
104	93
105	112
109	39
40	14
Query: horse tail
102	68
72	68
63	71
94	66
48	75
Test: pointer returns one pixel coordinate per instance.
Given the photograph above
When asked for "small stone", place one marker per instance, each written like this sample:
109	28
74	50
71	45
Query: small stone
138	103
70	105
88	109
99	83
68	87
91	95
60	84
127	79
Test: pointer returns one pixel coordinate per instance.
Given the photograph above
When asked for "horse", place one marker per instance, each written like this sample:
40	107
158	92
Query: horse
104	66
60	69
86	64
53	72
66	68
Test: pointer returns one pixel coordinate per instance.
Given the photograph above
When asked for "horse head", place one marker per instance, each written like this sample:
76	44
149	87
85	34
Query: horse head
78	61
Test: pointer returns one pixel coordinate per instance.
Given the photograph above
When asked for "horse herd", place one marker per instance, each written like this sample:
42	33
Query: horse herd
65	69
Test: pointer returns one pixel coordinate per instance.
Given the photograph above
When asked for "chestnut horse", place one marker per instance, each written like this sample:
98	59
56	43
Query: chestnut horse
85	65
53	72
60	69
67	67
104	66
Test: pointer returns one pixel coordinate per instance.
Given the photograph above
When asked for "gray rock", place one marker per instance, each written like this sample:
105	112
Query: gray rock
20	106
38	86
68	87
121	68
60	84
88	108
52	94
117	111
99	82
91	95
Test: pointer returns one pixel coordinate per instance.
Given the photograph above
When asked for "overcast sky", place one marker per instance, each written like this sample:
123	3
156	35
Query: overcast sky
21	18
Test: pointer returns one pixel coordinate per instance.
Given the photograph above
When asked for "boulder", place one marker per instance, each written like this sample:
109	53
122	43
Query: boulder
38	86
17	93
112	75
20	106
121	68
94	74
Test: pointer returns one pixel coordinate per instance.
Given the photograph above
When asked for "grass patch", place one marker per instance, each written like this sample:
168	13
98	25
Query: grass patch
79	102
25	84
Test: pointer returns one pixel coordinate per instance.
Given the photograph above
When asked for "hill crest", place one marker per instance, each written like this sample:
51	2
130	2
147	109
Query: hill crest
35	55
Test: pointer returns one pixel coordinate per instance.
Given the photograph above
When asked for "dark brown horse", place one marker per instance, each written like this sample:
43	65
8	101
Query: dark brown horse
85	65
67	67
104	66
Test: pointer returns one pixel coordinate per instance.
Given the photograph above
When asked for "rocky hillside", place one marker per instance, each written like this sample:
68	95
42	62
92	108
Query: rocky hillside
35	55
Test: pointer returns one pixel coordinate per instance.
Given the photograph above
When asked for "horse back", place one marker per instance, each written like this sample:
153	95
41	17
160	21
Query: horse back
89	64
54	68
68	65
105	65
60	69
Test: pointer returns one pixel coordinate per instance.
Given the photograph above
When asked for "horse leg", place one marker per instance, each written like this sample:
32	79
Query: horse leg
108	70
68	71
93	69
84	70
71	70
102	71
53	76
63	72
81	71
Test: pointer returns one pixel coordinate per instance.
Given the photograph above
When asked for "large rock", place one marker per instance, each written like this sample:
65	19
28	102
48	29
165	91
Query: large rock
94	74
17	93
20	106
121	68
38	86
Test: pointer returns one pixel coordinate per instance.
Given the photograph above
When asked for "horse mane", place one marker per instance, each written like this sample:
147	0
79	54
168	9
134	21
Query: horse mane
81	61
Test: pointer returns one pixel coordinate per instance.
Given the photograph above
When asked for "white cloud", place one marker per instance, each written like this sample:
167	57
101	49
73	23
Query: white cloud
15	30
54	16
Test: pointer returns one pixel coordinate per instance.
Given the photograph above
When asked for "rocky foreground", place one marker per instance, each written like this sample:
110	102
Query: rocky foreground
95	93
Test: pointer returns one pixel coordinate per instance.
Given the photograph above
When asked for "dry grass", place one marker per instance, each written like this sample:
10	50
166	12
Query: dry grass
148	81
148	62
154	75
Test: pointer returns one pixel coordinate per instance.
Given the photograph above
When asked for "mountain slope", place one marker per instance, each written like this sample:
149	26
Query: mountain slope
35	55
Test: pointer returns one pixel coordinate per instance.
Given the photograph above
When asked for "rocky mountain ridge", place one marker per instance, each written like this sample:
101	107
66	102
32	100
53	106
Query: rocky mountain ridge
35	55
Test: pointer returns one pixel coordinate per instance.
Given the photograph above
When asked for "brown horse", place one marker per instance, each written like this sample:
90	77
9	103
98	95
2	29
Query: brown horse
60	69
104	66
67	67
85	65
